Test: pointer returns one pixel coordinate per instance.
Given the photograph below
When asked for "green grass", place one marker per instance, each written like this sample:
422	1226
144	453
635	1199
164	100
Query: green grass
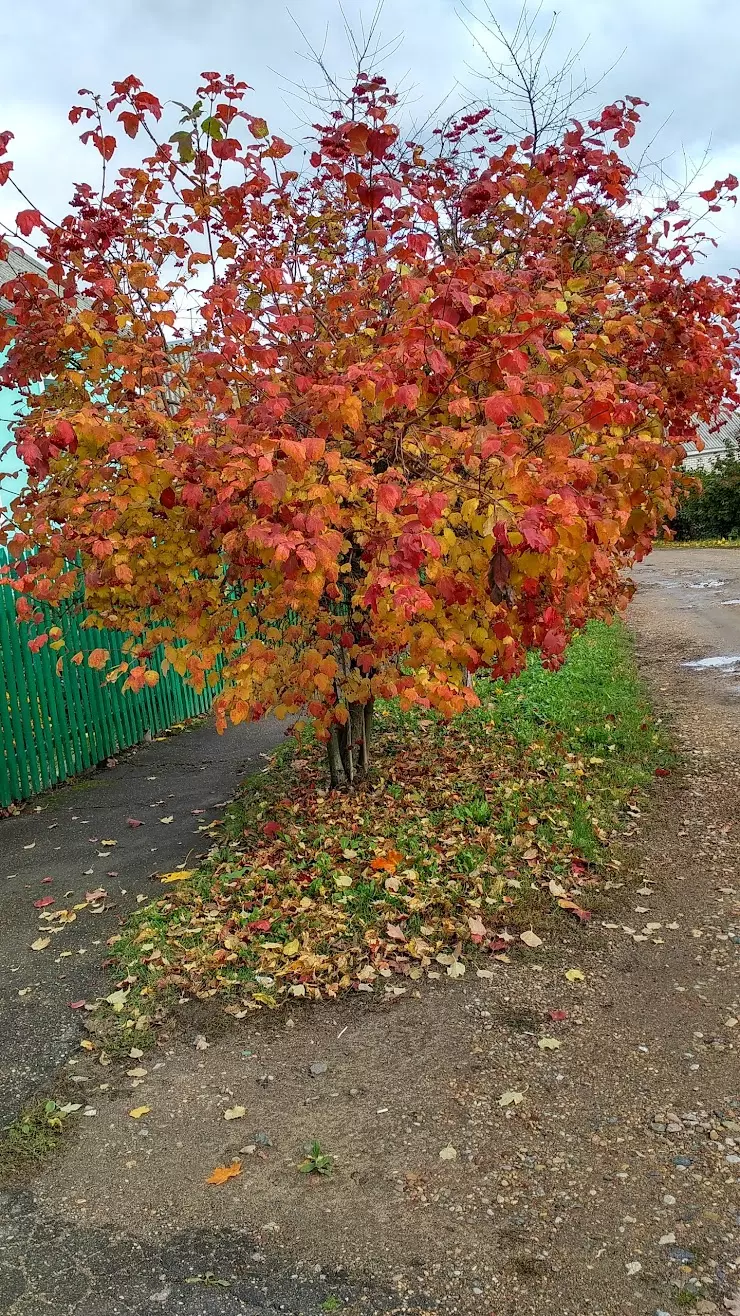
471	820
31	1137
698	543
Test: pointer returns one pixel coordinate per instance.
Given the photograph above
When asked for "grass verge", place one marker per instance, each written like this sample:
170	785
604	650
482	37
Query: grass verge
32	1136
468	834
698	543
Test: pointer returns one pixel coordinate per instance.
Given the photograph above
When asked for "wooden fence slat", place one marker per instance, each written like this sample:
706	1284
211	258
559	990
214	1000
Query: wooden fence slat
54	725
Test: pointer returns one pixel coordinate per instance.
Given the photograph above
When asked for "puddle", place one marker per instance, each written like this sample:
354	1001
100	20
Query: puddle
708	584
724	661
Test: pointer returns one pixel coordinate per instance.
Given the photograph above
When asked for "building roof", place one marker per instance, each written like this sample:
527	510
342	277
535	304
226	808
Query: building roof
718	436
18	262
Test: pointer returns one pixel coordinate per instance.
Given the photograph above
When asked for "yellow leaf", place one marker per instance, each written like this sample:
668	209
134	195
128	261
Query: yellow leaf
178	877
265	999
109	842
530	939
138	1111
292	947
222	1173
235	1113
574	975
40	943
549	1044
511	1098
87	1045
342	879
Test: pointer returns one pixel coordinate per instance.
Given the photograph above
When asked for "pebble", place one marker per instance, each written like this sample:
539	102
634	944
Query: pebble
319	1067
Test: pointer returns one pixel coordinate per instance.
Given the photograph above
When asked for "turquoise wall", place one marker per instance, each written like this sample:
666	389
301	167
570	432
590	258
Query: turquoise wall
11	406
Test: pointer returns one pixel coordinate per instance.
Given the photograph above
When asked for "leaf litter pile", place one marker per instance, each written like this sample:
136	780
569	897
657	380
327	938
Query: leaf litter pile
472	838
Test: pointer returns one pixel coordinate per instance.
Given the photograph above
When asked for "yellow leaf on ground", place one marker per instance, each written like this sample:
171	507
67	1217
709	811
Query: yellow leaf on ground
109	842
40	943
177	877
235	1113
575	975
138	1111
511	1098
531	939
549	1044
87	1045
224	1172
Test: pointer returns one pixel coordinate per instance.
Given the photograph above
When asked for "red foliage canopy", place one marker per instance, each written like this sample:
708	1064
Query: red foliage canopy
360	429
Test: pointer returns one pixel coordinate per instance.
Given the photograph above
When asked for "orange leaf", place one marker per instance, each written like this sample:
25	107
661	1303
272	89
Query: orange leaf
224	1172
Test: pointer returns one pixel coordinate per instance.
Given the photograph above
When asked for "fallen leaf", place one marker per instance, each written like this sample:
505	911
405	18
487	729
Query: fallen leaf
40	943
448	1153
558	1016
135	1053
87	1045
575	975
138	1072
109	842
235	1113
549	1044
530	939
511	1098
169	819
43	902
477	929
633	1267
176	877
456	969
138	1111
393	930
200	1042
76	1005
224	1172
98	894
134	822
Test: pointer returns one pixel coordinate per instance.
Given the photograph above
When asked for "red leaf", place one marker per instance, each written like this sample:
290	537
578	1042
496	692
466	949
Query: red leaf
498	408
45	900
558	1016
262	925
134	822
27	221
272	829
77	1005
662	772
167	498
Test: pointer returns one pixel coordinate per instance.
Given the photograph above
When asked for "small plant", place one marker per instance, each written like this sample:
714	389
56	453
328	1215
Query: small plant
332	1303
317	1162
33	1134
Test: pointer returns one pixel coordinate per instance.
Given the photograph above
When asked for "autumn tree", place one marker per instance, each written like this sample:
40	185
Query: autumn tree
357	426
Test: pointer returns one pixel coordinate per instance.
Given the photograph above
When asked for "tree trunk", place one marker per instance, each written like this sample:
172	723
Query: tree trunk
348	749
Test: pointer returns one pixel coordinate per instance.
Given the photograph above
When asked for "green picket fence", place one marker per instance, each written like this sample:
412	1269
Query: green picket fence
53	726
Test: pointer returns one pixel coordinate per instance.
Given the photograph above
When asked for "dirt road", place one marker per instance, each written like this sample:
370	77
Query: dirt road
608	1188
105	832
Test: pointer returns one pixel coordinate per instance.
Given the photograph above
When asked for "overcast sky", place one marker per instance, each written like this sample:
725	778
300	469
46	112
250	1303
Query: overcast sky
683	56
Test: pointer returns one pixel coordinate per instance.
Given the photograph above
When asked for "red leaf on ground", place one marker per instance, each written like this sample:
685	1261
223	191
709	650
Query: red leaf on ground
557	1016
272	829
43	902
134	822
44	880
76	1005
662	772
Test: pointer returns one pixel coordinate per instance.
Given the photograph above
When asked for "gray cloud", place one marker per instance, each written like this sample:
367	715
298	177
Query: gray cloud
680	55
